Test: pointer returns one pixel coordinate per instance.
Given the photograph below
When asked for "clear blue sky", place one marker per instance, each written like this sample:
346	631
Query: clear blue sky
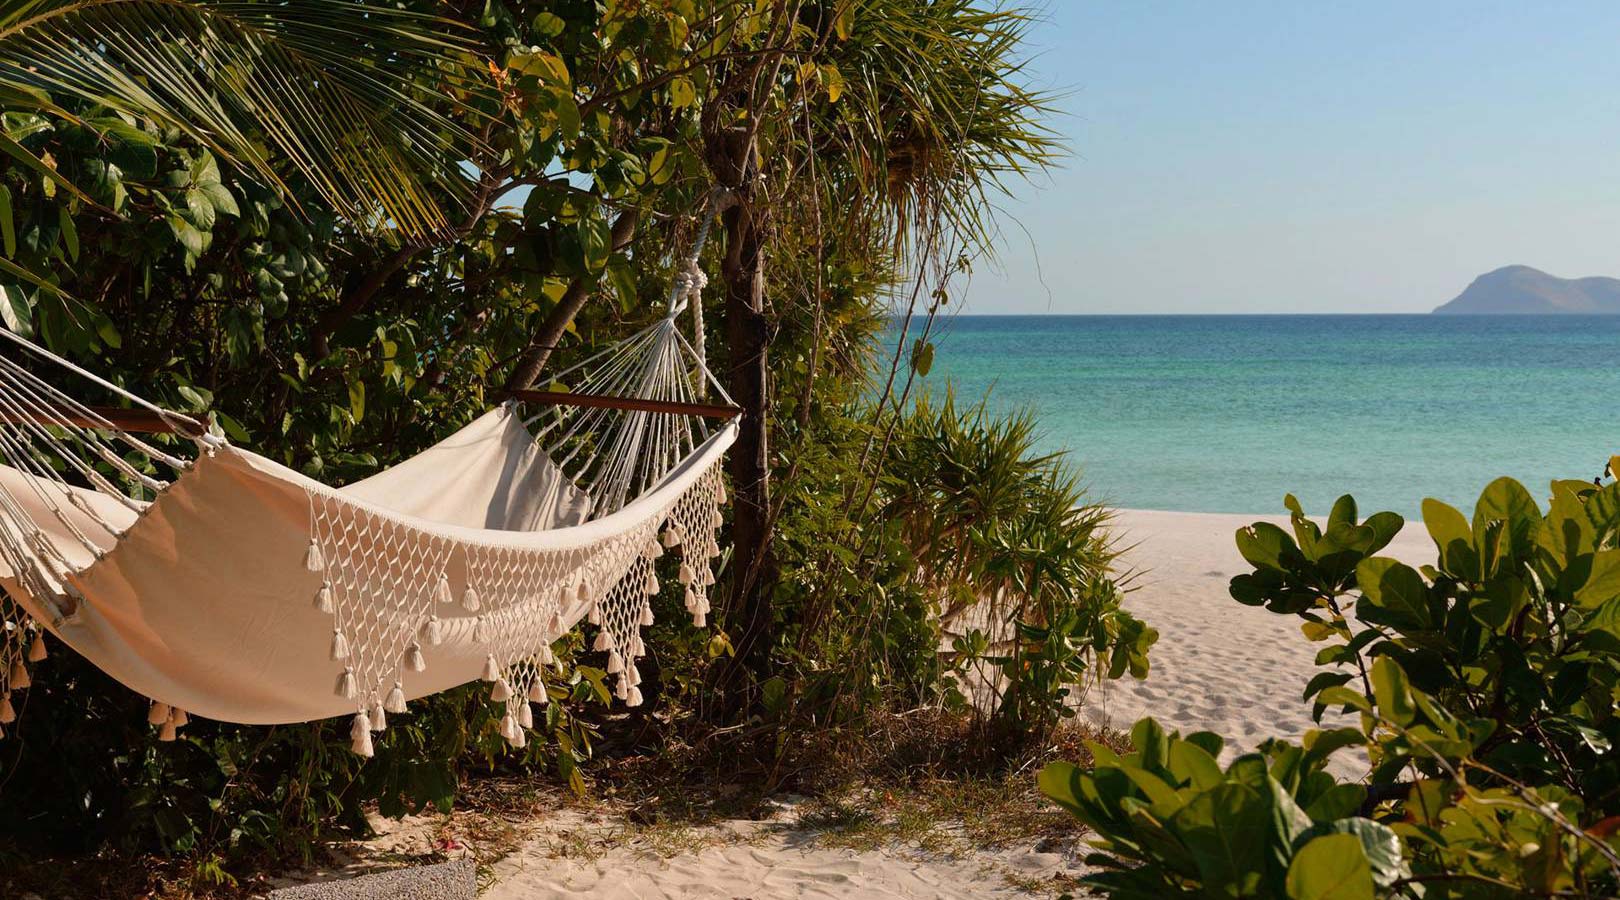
1308	157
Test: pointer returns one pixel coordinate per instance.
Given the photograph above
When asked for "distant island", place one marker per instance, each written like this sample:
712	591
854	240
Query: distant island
1525	291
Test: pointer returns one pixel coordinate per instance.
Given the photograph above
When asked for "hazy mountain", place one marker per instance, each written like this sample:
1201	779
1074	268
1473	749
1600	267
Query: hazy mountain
1521	289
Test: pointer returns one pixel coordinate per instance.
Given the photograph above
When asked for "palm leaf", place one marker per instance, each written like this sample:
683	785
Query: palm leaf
346	96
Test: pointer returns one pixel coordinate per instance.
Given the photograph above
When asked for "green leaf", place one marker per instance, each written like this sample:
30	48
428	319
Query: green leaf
1396	592
1330	867
1193	765
1392	691
221	198
682	93
8	227
1227	830
922	356
1452	537
15	309
1603	584
70	232
1266	546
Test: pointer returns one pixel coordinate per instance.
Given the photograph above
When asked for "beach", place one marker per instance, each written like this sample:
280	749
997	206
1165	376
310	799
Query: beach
1218	666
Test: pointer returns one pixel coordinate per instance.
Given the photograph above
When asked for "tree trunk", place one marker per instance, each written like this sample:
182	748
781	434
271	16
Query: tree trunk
748	343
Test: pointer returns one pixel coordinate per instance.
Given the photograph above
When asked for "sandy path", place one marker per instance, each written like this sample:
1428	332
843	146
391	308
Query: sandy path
764	861
1218	666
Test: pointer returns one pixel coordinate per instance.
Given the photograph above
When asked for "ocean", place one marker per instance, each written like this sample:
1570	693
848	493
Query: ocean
1229	413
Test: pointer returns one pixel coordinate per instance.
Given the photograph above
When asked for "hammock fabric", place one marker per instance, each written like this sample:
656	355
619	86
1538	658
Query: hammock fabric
247	592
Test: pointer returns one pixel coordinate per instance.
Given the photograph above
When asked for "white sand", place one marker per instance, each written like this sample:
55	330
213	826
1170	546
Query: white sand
1219	666
758	860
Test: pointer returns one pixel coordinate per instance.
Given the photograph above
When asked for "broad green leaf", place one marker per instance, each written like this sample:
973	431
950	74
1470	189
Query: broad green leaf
1330	867
682	93
1396	591
15	309
1452	537
1266	546
1227	830
1392	691
1603	584
1192	764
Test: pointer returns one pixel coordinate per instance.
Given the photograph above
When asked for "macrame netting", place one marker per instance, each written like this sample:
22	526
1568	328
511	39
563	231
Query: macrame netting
241	590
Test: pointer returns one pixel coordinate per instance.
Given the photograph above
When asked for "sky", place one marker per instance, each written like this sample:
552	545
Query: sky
1247	157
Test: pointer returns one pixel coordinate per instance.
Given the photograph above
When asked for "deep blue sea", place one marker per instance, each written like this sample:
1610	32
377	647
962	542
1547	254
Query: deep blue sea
1229	413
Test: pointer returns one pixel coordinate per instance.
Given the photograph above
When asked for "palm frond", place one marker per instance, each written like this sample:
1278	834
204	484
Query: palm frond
343	95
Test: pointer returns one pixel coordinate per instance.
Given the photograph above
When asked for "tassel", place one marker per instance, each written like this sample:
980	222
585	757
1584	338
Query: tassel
706	577
500	693
633	674
441	591
525	716
637	648
652	549
686	575
340	646
632	697
413	658
646	615
615	663
8	713
379	718
157	713
691	600
555	624
481	629
346	686
432	632
509	727
314	561
167	732
19	676
593	616
716	520
323	599
621	689
719	492
650	586
179	718
537	692
546	656
360	735
519	740
712	548
604	641
582	593
700	620
396	699
469	599
672	537
36	650
492	672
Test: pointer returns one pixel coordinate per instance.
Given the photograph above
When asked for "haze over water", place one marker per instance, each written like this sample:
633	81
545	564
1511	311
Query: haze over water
1229	413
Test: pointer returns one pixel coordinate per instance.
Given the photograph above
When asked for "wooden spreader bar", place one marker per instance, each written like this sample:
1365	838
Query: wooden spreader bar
602	401
134	421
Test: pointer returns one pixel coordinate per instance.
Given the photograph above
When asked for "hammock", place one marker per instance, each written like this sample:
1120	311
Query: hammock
246	592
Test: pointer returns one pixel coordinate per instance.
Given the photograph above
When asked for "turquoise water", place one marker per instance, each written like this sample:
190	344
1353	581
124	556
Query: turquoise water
1229	413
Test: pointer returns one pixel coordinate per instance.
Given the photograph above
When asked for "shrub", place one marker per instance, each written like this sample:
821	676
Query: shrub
1485	686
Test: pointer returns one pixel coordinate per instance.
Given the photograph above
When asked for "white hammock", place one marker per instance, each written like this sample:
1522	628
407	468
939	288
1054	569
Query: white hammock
247	592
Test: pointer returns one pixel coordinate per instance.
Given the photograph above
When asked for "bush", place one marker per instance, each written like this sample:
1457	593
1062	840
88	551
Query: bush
1486	689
